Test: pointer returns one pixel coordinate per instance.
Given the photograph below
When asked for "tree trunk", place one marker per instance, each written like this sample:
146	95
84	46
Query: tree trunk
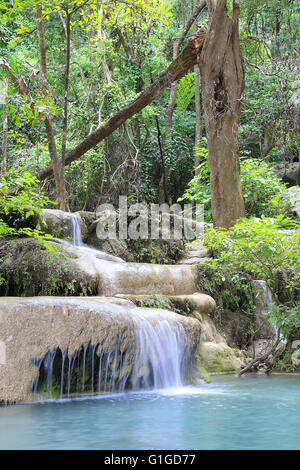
222	81
185	60
57	164
5	127
187	23
198	127
66	92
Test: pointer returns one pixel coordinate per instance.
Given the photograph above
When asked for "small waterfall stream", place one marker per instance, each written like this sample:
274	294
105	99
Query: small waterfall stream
76	229
266	295
158	357
153	352
266	301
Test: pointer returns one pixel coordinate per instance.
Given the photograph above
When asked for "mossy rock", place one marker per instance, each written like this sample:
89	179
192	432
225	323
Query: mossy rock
204	375
28	268
218	357
160	251
156	251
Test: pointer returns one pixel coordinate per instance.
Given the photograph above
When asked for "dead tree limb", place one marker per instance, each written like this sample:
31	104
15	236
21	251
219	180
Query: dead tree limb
263	357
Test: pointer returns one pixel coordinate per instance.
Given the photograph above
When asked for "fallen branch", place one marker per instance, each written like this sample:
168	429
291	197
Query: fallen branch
259	359
185	60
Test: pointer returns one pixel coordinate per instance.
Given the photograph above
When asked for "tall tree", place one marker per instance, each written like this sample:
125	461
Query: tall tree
4	127
198	118
222	80
57	163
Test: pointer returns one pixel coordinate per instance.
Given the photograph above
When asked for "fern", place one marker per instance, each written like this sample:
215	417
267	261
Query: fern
185	91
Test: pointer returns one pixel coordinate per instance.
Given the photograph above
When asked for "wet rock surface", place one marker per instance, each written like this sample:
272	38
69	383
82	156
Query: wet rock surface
30	327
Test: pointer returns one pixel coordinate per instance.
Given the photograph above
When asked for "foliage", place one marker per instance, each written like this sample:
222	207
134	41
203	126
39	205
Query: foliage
19	195
156	251
271	58
286	317
185	91
264	194
265	248
259	246
230	287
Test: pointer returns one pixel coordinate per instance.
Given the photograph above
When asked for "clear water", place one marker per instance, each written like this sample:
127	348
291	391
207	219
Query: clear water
250	412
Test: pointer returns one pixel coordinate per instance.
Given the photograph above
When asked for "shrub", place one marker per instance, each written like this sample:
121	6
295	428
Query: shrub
20	205
263	192
266	248
261	247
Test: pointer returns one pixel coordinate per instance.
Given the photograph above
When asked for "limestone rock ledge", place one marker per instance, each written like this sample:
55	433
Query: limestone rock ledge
29	269
214	354
30	327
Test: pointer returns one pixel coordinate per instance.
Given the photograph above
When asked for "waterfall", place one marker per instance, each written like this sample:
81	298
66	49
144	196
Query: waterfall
265	298
160	350
76	229
157	358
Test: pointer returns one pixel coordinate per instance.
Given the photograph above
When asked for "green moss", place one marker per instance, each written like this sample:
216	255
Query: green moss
156	251
181	306
29	269
231	289
216	358
204	375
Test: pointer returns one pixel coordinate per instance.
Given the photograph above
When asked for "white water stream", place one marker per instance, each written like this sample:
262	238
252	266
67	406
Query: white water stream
158	356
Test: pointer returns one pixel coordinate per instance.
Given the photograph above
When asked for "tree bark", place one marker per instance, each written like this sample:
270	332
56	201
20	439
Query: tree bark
198	125
185	60
5	127
259	359
222	81
57	164
66	91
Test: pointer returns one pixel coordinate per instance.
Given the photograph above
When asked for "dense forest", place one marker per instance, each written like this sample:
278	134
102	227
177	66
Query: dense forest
163	102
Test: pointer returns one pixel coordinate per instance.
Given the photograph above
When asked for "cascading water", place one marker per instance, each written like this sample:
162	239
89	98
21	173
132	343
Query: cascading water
76	229
153	352
267	297
158	357
266	301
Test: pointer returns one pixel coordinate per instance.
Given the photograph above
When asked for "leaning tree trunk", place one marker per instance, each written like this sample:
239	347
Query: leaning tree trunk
222	81
185	60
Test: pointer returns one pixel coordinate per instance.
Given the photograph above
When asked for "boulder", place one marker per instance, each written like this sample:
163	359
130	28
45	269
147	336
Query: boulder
219	357
288	172
28	268
293	194
60	224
